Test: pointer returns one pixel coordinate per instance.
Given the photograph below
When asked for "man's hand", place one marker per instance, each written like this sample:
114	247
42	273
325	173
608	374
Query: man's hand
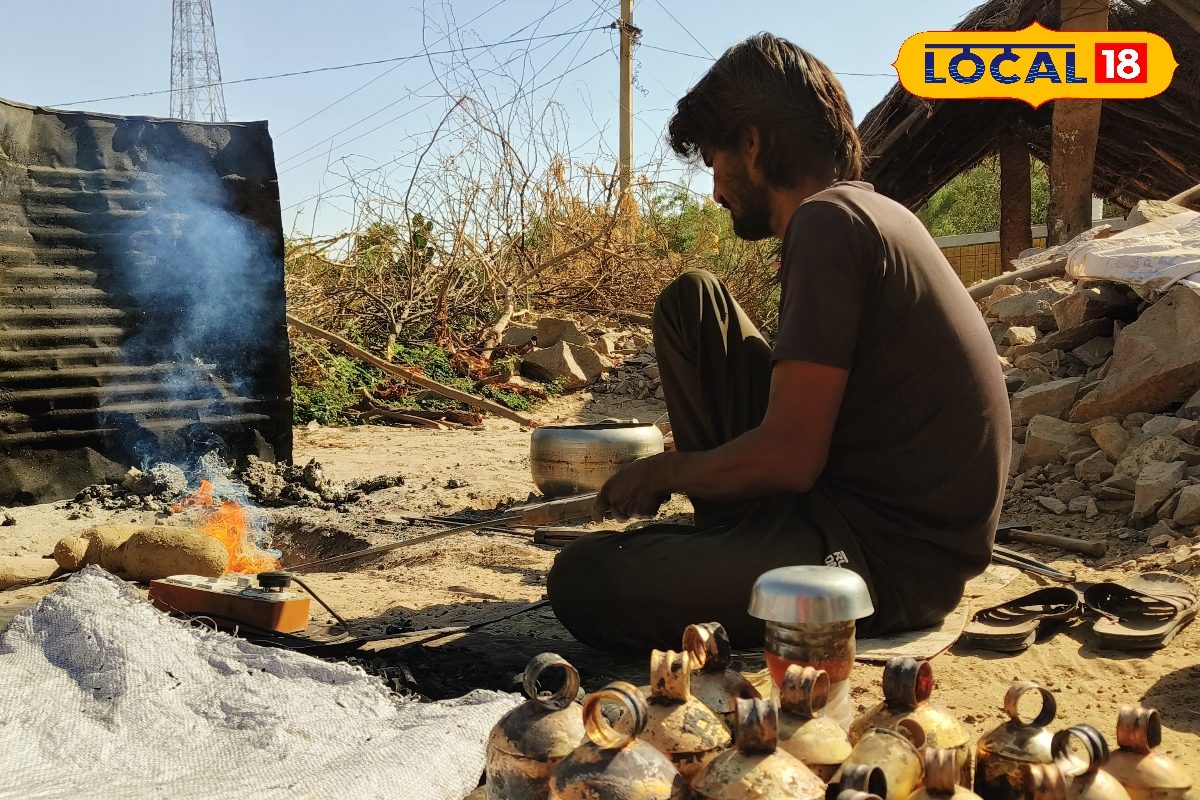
637	490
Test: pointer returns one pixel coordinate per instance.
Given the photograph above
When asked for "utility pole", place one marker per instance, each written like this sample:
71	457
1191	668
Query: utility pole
196	91
628	34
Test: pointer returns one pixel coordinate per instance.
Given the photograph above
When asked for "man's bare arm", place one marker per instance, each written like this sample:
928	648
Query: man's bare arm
786	453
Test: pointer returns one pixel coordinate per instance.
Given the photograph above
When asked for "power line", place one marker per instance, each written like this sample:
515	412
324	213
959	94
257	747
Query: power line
383	74
409	95
422	54
520	96
891	75
684	29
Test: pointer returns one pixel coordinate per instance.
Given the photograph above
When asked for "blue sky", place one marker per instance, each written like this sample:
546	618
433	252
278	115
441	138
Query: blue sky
70	51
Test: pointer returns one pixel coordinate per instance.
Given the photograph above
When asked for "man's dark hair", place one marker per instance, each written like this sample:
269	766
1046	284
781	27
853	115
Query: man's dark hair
794	101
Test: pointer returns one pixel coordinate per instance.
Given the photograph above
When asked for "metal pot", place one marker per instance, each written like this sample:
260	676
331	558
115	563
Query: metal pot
1080	752
716	683
907	685
678	725
816	740
1145	774
612	764
756	770
529	740
897	753
572	459
1003	756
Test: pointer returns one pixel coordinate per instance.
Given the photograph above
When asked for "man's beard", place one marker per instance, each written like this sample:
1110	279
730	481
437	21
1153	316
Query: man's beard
749	207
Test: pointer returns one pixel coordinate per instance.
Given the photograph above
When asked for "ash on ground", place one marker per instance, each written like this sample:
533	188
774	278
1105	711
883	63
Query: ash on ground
266	484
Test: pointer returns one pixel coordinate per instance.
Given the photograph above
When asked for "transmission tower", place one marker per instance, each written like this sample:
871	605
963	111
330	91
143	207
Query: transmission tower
196	91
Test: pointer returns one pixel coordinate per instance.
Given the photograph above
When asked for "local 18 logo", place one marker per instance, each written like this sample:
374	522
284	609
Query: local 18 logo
1035	65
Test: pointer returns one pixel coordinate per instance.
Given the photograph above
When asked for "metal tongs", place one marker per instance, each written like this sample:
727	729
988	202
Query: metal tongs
1002	555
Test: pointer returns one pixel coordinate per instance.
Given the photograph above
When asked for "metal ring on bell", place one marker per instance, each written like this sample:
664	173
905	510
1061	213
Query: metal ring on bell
863	778
907	683
708	645
1045	782
757	726
1012	700
629	698
805	690
1094	750
566	693
1139	729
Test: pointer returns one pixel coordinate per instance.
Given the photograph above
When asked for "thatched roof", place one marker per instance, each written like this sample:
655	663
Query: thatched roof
1148	149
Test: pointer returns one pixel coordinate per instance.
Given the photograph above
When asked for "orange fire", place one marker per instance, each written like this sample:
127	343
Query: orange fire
226	522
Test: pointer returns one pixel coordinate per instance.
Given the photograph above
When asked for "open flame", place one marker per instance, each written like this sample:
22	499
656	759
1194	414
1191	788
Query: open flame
225	521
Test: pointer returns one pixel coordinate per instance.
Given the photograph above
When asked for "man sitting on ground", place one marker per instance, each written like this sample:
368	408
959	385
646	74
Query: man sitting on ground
874	435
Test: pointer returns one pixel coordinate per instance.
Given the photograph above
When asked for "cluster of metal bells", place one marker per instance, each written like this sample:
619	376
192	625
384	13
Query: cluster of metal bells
700	730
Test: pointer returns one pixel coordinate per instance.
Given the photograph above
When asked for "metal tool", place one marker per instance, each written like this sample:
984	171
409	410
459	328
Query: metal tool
1002	555
1023	532
532	515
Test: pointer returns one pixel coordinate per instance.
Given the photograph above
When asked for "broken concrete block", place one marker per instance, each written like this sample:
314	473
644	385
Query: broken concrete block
1118	487
1045	441
1052	399
1091	302
1068	490
1094	468
1019	334
552	330
1162	425
1150	210
1094	352
1052	504
1029	308
1154	485
998	294
573	365
1067	339
1156	361
607	344
1187	512
1157	448
1190	408
517	335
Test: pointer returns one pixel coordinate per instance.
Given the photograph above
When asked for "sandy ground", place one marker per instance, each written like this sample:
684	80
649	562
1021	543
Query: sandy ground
469	577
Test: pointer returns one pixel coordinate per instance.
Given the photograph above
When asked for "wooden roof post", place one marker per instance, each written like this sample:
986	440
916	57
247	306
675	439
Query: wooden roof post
1016	197
1074	133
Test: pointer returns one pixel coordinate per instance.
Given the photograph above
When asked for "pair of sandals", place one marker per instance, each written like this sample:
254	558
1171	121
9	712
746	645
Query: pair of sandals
1141	613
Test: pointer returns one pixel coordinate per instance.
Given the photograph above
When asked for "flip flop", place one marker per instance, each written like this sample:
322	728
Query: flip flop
1142	613
1014	625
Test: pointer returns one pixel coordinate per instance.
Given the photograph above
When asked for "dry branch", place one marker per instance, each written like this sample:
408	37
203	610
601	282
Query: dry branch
412	376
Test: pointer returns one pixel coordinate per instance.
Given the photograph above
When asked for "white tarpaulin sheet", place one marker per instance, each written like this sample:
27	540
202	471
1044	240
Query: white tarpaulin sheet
1151	257
106	697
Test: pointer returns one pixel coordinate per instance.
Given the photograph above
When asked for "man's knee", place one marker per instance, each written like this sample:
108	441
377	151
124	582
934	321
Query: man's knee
683	293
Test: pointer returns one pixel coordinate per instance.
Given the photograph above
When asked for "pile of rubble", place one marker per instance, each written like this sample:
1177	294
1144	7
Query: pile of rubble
1105	392
267	484
577	354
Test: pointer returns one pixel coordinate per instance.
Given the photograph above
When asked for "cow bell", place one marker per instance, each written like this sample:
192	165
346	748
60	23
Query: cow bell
715	683
1080	753
907	685
529	740
818	741
612	764
756	770
678	725
895	753
941	777
1144	773
1002	756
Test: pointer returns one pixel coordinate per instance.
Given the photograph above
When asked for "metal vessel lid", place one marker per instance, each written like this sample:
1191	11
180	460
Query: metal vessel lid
806	594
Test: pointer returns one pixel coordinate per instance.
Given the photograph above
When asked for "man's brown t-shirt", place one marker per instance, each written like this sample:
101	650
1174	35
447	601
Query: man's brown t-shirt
920	451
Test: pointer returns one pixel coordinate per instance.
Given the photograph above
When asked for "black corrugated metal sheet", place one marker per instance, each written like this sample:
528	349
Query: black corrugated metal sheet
141	297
